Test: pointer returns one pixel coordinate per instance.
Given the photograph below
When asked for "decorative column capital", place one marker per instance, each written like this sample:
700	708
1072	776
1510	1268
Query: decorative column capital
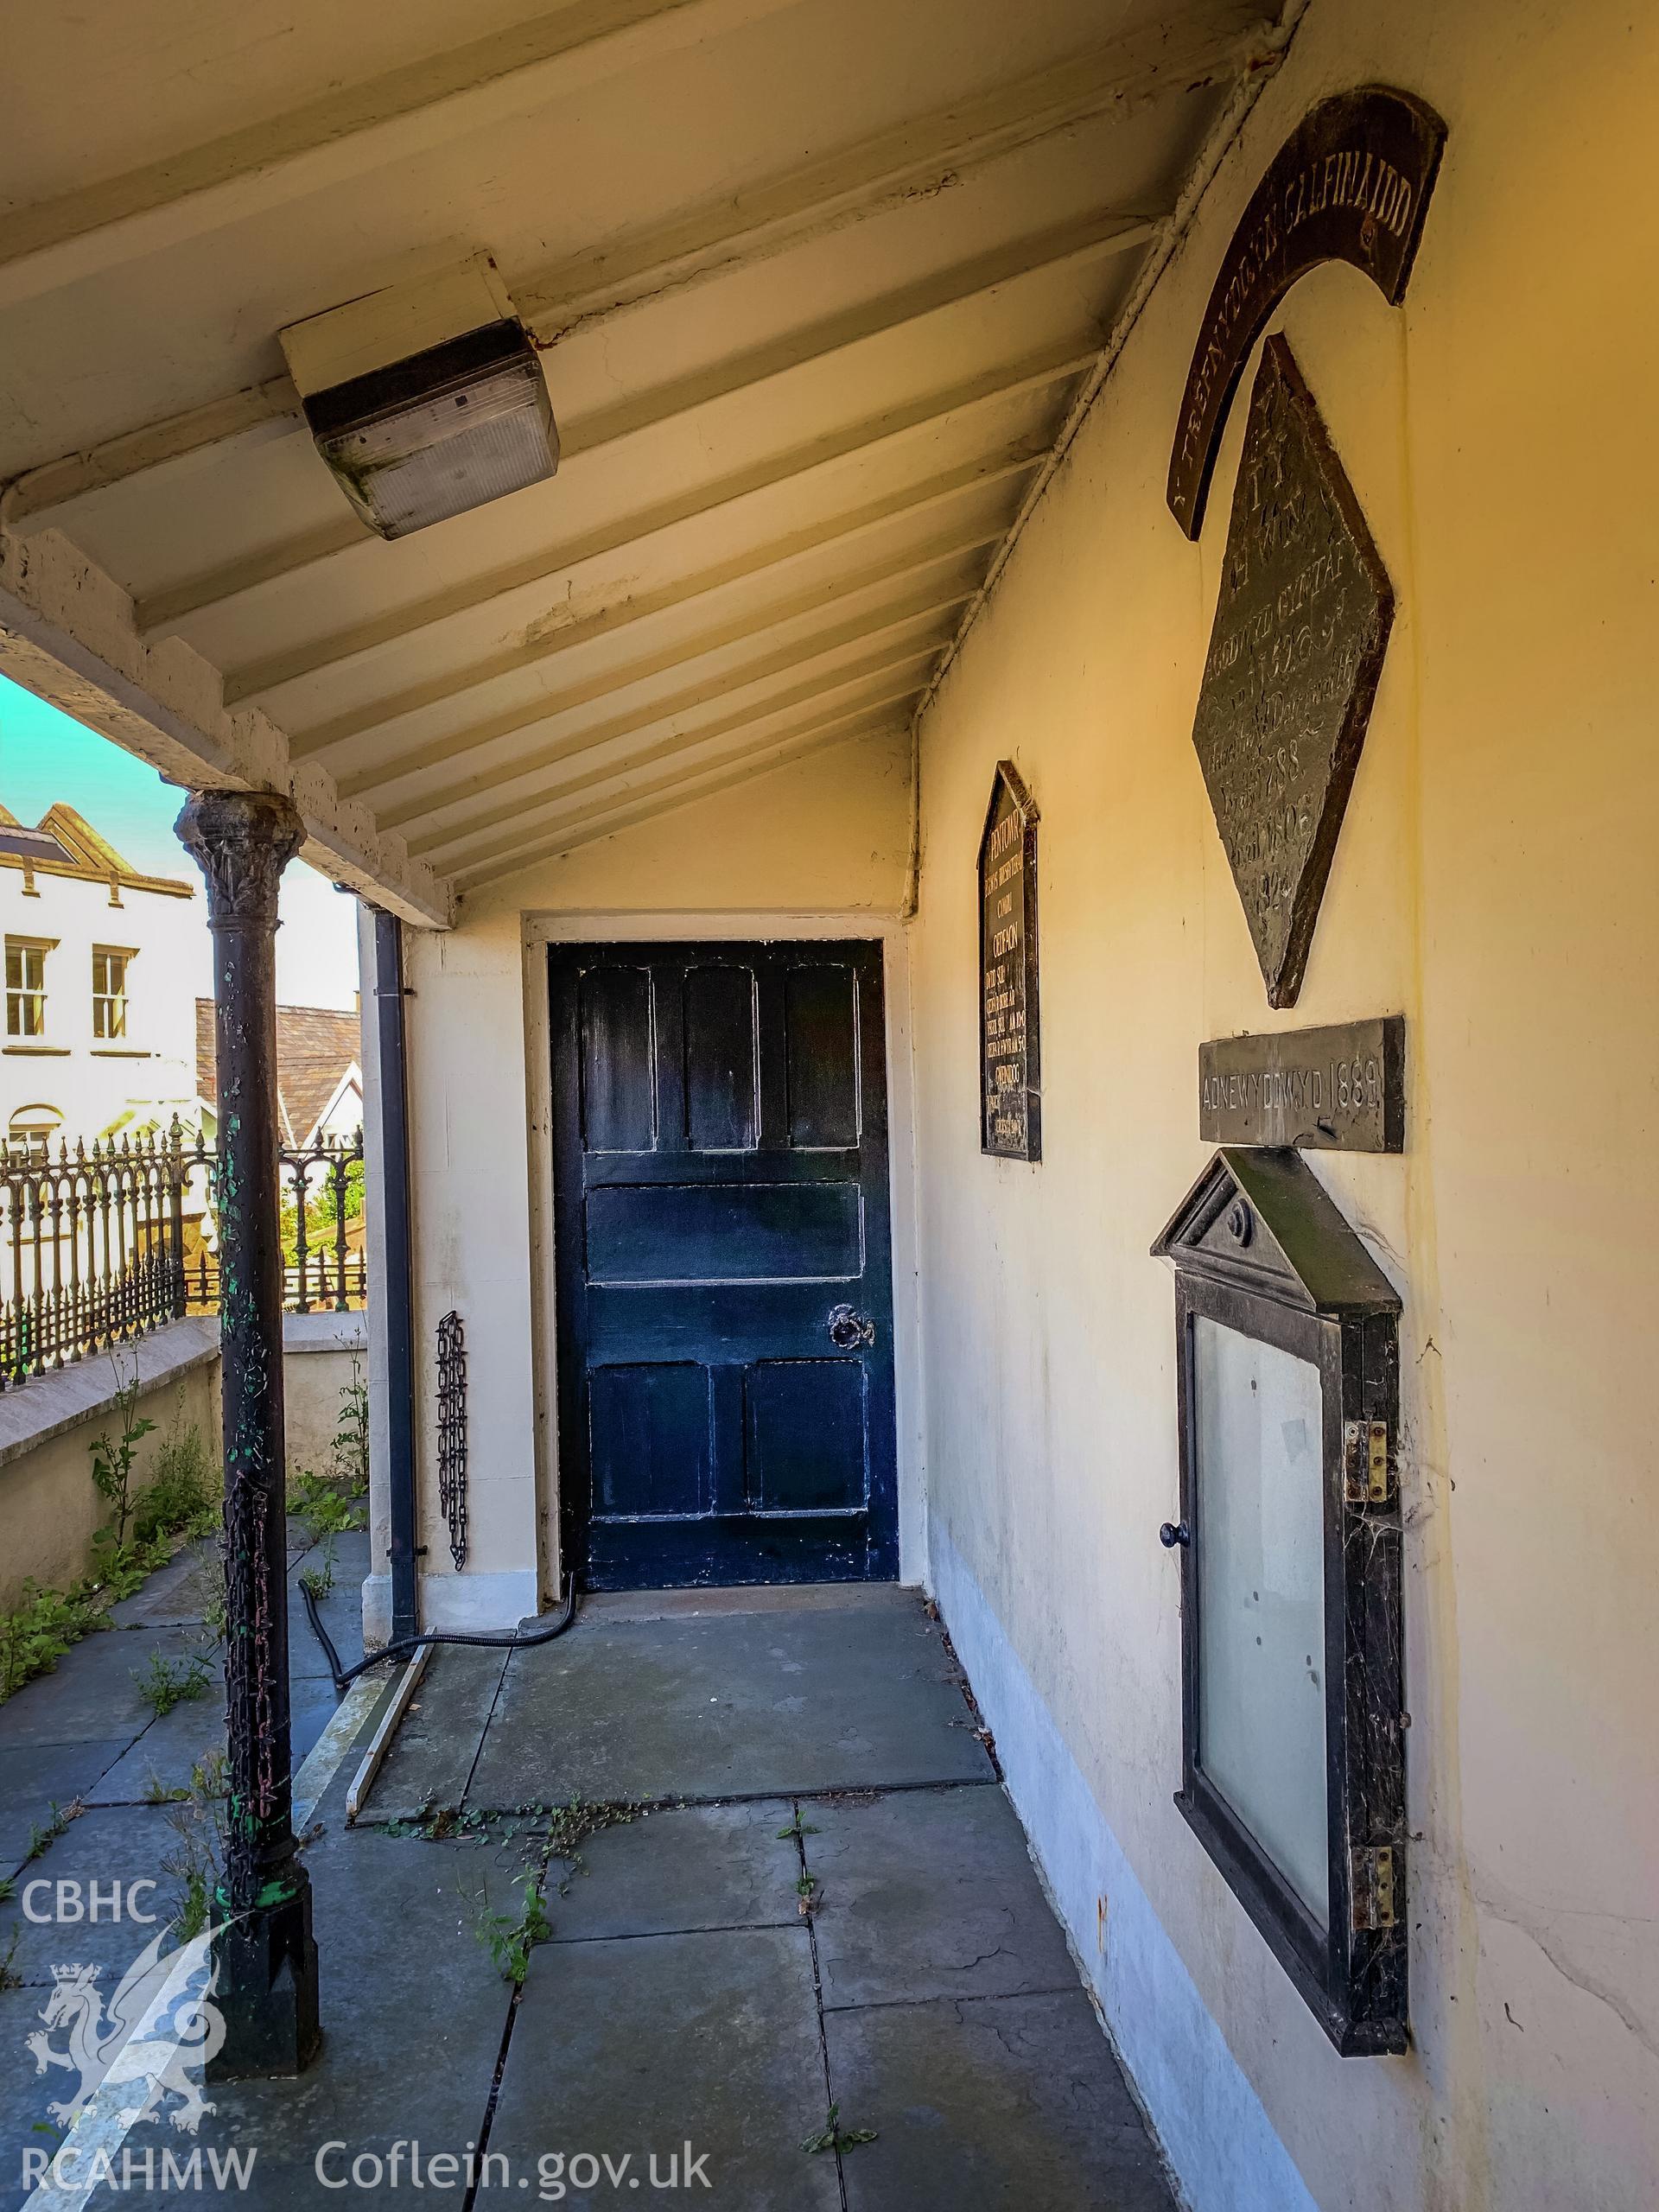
244	840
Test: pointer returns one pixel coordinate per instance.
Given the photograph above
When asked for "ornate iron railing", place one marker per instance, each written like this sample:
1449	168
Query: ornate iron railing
325	1266
102	1242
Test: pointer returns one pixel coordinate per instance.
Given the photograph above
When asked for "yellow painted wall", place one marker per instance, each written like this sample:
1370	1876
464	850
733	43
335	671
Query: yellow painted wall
1496	882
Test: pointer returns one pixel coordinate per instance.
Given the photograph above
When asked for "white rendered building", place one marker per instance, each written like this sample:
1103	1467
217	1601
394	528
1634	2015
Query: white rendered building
99	1028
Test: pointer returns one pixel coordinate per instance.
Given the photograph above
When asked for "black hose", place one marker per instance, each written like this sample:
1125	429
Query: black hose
514	1640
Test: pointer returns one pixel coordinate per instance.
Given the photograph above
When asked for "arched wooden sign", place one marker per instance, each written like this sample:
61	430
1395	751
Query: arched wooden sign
1350	183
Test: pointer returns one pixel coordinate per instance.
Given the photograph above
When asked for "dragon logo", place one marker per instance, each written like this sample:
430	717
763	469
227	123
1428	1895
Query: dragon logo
159	2033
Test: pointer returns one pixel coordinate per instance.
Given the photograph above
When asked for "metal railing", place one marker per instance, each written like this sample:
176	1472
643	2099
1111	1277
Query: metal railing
100	1244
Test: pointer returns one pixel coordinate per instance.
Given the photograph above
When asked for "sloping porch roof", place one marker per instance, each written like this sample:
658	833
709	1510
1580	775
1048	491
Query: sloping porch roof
819	287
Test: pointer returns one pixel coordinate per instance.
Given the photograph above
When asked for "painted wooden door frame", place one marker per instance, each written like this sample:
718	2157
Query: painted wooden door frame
601	927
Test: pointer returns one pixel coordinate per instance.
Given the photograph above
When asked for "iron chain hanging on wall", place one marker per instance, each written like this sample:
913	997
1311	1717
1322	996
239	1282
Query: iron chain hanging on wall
452	1431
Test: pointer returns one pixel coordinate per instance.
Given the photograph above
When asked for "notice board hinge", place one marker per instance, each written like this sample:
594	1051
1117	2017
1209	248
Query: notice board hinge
1373	1886
1366	1463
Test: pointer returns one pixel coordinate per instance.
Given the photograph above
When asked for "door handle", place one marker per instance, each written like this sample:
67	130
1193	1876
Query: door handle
848	1330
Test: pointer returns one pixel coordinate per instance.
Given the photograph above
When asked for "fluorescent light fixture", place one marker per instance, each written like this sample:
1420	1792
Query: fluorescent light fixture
445	429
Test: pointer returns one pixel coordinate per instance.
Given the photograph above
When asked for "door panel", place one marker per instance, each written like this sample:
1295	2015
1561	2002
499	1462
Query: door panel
748	1232
820	1036
806	1435
649	1426
616	1098
722	1108
721	1186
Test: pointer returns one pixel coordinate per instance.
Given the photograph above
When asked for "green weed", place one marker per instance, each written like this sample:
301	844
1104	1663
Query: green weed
181	1498
197	1818
35	1636
43	1837
832	2136
322	1508
113	1458
510	1938
166	1682
320	1580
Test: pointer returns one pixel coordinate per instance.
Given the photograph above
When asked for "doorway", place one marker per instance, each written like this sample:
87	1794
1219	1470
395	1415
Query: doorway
723	1264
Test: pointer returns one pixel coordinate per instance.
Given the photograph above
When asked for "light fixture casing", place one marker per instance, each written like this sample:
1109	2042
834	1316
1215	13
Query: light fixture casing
443	430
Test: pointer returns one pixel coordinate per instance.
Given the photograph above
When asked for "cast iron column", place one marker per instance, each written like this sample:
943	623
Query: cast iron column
267	1961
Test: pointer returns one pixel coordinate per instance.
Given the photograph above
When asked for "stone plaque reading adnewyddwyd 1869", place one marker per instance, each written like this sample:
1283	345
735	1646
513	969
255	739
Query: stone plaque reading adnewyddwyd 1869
1301	626
1010	1090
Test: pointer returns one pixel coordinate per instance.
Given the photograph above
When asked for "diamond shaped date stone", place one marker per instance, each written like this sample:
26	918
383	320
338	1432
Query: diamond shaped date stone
1301	626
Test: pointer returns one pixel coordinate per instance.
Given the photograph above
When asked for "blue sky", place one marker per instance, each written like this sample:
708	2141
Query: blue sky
45	757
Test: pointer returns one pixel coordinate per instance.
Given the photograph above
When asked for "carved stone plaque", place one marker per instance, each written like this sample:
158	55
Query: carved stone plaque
1301	626
1010	1093
1341	1088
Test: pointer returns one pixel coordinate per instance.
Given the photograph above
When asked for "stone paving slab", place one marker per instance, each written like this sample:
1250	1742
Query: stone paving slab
639	2046
163	1757
930	1893
350	1552
341	1609
700	1867
94	1693
733	1705
25	2092
431	1757
1006	2104
167	1750
176	1594
678	2001
413	2012
109	1845
342	1616
35	1776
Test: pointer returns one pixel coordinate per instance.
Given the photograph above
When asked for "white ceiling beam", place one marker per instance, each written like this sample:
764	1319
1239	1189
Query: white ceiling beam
938	411
670	748
762	564
66	634
1211	39
882	670
241	420
1100	235
165	612
625	776
1215	41
547	706
347	134
763	668
672	792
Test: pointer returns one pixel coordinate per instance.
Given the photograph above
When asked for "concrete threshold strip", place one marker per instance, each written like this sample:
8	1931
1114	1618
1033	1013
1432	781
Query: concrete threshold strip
143	2064
380	1744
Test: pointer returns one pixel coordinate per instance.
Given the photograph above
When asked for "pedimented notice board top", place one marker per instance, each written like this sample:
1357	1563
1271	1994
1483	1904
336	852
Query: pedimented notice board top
1010	1089
1302	625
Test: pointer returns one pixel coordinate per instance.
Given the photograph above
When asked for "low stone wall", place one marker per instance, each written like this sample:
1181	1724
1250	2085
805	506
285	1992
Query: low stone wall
49	1507
321	1352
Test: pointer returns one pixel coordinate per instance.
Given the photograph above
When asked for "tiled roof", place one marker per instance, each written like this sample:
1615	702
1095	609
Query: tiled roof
315	1045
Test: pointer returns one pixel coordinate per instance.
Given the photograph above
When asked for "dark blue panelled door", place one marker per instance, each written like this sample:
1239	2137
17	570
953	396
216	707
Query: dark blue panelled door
725	1294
